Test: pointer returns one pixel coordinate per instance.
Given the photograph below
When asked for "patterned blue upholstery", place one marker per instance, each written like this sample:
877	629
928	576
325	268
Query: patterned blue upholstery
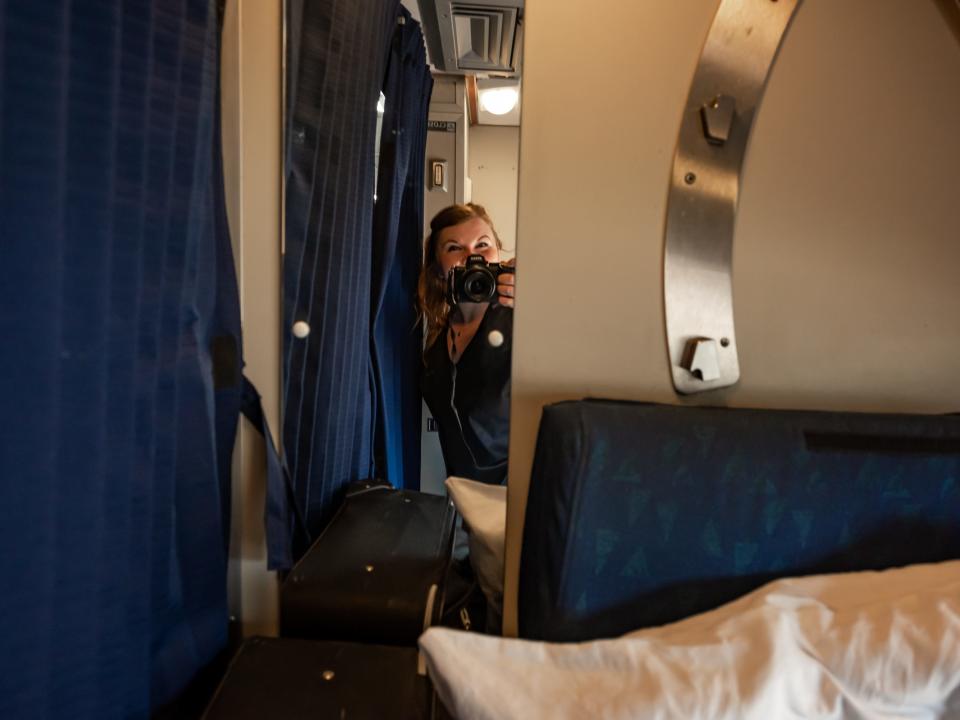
641	514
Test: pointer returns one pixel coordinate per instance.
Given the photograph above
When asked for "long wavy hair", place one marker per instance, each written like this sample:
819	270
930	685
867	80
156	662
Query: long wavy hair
432	285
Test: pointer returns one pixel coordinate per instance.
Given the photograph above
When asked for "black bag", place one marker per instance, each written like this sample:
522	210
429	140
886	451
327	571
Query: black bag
289	678
376	574
464	607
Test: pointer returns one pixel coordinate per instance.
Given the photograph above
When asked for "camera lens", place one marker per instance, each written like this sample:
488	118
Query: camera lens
479	286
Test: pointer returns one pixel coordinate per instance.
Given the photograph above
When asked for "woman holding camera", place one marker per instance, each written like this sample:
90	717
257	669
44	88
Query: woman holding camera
466	375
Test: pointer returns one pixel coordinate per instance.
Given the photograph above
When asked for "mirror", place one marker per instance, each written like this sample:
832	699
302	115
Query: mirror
371	155
471	156
471	162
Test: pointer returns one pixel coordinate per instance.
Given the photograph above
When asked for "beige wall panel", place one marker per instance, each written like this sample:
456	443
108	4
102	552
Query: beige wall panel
603	93
251	87
492	167
230	142
846	245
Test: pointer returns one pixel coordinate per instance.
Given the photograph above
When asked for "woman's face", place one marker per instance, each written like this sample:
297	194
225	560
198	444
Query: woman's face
458	242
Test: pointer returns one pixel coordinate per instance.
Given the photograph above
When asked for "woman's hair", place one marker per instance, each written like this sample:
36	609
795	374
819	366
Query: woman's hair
432	285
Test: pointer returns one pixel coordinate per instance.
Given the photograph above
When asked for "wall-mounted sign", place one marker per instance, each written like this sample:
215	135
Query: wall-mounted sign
442	125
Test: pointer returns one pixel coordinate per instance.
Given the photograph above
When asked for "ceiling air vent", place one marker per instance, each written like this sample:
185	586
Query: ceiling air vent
484	37
473	37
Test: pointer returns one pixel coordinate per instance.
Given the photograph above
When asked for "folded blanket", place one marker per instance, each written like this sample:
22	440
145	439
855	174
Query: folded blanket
852	645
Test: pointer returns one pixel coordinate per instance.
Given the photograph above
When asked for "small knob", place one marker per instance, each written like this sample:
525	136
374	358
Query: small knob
702	359
717	117
301	329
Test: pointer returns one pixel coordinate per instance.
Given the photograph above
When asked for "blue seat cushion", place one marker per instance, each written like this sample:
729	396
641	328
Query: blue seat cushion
641	514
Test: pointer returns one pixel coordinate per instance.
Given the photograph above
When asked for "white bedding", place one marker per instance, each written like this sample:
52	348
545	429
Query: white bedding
484	510
857	645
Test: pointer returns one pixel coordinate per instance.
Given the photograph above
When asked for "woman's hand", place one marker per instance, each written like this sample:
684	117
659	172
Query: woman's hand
505	285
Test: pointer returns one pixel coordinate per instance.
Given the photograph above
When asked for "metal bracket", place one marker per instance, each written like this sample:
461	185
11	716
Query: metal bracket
717	116
701	207
702	359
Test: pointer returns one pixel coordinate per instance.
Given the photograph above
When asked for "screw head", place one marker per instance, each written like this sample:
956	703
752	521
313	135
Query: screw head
328	675
368	568
689	178
724	341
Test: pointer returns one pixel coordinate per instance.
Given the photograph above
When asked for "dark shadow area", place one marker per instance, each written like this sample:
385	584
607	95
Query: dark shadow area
191	703
951	15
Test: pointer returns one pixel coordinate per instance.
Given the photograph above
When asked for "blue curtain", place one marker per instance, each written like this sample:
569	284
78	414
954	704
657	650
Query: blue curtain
119	360
338	52
397	252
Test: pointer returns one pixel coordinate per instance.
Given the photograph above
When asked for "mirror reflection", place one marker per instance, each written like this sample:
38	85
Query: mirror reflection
466	298
400	167
465	289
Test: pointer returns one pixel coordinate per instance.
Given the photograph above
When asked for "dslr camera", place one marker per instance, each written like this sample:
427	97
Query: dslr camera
476	281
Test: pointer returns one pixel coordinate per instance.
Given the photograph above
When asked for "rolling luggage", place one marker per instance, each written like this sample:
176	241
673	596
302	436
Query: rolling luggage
290	678
351	611
376	574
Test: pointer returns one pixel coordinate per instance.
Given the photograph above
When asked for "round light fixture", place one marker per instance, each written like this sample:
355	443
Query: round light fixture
499	101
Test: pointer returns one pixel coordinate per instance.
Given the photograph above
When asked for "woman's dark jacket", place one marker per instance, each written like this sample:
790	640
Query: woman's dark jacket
471	400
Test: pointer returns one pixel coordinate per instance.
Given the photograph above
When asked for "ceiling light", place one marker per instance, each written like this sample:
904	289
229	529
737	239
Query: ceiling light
499	101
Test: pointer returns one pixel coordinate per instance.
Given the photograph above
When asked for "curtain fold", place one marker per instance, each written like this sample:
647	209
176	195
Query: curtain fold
339	51
120	355
397	251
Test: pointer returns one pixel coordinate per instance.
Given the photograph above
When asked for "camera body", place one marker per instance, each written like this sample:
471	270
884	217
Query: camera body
476	281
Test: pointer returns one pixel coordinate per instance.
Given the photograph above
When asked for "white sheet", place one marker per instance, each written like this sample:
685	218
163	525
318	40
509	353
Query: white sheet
858	645
484	510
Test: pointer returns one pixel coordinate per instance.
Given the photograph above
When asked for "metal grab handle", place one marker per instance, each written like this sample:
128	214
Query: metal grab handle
701	207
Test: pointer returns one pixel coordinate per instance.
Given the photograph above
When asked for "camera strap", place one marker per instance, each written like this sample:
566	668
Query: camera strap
453	345
456	412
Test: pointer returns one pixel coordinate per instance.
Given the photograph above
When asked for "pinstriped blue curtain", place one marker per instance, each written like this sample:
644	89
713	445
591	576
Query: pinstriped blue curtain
119	358
398	233
338	56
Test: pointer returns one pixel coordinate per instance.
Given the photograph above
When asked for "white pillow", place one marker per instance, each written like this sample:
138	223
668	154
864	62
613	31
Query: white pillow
484	511
846	646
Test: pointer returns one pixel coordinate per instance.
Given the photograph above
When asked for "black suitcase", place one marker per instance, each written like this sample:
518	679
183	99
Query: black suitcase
376	574
288	678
